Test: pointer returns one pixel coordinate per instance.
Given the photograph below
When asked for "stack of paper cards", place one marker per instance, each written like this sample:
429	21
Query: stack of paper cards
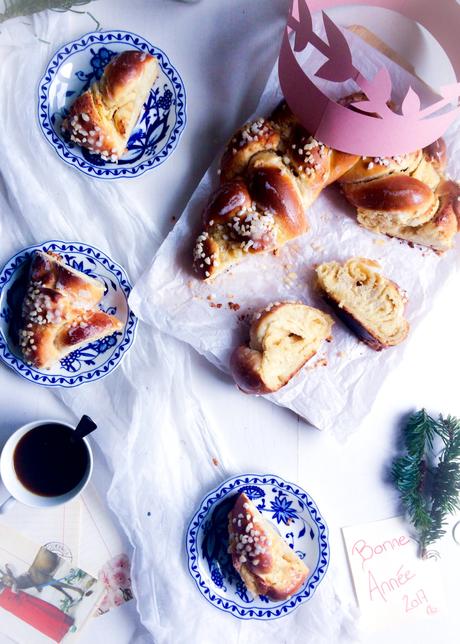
43	596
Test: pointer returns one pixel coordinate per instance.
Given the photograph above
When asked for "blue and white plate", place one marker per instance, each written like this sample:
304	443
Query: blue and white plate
92	361
294	515
72	70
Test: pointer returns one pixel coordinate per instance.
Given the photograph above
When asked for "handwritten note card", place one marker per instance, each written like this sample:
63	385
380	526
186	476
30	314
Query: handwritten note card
391	582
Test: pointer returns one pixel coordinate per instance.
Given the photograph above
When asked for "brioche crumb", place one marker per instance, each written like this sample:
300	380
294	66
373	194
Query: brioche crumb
289	278
322	362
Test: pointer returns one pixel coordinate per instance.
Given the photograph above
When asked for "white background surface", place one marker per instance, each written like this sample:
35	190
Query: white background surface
211	43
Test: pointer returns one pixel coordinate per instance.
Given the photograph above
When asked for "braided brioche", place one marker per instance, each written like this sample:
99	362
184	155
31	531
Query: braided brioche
283	337
371	305
270	173
60	311
272	170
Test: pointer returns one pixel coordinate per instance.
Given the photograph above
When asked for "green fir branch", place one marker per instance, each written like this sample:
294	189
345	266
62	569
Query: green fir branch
429	490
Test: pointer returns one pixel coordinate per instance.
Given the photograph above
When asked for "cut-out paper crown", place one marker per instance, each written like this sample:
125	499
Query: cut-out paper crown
374	128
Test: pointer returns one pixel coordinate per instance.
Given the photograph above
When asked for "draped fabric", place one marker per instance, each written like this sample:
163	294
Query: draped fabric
162	451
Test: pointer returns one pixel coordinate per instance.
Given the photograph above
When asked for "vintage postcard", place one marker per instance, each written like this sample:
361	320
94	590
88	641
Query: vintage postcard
85	533
43	596
391	582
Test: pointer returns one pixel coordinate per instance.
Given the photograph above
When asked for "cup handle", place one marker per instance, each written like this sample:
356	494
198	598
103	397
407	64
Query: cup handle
7	504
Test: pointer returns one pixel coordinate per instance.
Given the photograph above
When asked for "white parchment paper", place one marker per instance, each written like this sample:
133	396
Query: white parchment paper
336	389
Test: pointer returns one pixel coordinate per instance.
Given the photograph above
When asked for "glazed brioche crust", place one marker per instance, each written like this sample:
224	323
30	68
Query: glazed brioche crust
419	206
439	231
405	196
271	171
408	198
371	305
59	312
283	337
265	562
102	118
245	367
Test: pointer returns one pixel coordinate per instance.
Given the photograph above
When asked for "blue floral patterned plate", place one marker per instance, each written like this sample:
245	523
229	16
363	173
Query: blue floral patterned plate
92	361
72	70
294	515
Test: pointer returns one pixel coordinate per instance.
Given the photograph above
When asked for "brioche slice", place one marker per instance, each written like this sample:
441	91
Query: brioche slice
102	118
265	562
371	305
60	311
282	338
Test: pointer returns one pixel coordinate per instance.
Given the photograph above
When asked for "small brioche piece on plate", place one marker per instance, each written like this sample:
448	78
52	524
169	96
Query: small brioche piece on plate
102	118
60	311
283	337
370	304
265	562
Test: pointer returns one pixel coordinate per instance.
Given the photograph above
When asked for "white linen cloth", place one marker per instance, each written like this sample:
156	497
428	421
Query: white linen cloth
151	429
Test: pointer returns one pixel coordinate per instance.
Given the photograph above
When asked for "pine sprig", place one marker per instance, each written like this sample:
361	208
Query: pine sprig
429	490
446	481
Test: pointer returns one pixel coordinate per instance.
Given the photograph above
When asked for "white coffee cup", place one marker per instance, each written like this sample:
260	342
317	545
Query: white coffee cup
13	484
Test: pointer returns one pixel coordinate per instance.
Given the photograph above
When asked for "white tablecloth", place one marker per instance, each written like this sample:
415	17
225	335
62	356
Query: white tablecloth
211	44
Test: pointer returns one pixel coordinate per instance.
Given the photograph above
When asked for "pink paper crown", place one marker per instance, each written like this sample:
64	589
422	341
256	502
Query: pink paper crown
381	131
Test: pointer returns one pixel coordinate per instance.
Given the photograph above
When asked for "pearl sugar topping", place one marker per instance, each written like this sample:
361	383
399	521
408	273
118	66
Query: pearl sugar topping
249	541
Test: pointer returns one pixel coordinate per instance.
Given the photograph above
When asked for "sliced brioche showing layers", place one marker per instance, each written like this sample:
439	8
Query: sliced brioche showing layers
282	339
60	311
265	562
103	118
371	305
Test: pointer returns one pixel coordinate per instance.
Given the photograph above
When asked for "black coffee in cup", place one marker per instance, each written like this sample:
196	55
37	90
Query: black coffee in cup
50	461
